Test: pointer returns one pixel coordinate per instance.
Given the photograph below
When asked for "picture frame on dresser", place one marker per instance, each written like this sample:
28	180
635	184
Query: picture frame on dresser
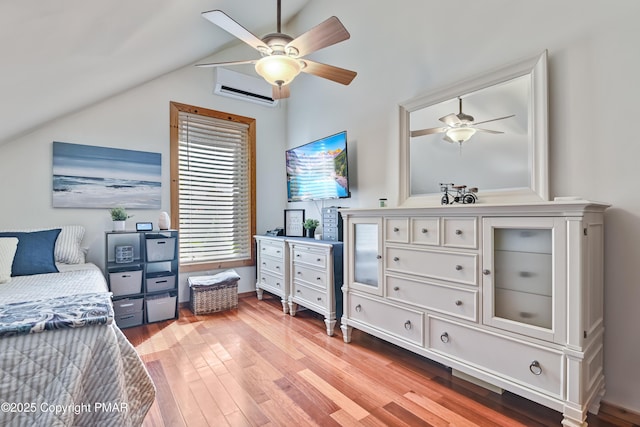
293	220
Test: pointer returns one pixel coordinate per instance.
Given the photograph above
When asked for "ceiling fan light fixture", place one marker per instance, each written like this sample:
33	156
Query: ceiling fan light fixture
278	70
460	134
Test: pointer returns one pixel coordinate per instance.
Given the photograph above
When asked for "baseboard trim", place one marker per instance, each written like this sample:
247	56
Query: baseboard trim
620	412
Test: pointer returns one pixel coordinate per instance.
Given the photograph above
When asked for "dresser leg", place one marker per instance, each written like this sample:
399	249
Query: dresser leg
285	306
331	324
346	333
259	293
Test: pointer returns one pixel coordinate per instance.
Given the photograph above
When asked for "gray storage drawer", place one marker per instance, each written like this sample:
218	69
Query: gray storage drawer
127	306
125	282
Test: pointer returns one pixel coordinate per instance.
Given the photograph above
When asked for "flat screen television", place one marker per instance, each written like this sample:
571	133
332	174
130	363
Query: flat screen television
318	170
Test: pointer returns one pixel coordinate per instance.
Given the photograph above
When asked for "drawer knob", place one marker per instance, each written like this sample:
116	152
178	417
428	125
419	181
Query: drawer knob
525	274
458	267
424	231
378	256
535	368
298	291
396	229
358	308
444	337
318	278
458	232
396	288
319	259
486	272
395	258
278	284
297	255
264	263
319	298
458	302
407	325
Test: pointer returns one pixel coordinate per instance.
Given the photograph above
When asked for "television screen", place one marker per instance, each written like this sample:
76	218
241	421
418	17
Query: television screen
318	170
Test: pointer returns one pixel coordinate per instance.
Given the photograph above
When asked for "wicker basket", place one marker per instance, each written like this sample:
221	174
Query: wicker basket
213	298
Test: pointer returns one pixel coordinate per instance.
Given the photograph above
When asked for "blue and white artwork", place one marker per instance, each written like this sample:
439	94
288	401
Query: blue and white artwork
86	176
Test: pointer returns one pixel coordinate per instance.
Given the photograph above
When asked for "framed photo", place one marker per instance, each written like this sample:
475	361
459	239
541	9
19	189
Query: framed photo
293	220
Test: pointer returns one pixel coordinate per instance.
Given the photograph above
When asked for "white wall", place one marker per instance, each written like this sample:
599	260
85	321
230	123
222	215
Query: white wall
139	120
410	47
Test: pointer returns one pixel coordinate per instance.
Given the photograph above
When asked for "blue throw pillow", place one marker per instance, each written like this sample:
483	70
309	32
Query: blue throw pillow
34	254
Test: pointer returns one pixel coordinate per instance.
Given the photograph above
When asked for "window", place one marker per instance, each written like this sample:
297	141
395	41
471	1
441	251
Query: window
212	187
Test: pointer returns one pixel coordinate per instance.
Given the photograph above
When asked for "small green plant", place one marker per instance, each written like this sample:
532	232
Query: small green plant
311	223
119	214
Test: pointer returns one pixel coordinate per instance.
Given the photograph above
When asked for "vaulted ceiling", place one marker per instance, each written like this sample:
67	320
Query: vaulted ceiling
60	56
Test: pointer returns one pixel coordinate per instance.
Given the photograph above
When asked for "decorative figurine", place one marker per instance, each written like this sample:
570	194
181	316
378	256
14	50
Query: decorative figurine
461	195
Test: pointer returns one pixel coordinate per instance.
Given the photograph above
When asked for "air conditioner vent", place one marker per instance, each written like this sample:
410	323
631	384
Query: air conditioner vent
241	86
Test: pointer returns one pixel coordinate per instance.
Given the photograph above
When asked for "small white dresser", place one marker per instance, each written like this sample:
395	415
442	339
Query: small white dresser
511	295
303	272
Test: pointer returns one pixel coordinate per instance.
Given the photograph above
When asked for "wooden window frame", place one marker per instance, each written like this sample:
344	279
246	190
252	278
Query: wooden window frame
175	109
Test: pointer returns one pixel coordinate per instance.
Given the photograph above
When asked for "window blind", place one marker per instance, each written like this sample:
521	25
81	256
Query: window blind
214	190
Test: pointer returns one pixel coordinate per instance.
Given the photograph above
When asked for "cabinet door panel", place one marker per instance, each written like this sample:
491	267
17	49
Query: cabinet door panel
524	307
523	271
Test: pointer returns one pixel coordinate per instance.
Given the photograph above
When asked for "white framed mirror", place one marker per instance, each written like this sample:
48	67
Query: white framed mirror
510	165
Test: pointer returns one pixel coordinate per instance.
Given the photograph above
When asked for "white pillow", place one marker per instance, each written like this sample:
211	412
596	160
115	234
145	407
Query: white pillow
8	246
67	249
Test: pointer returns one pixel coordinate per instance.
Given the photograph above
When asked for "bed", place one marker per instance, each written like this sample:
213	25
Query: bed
63	360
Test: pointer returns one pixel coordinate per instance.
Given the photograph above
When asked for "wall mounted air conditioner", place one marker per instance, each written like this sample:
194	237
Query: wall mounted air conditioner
241	86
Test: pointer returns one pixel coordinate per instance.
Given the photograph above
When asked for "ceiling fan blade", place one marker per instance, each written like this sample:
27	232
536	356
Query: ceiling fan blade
422	132
322	35
280	92
223	21
451	120
488	130
493	120
336	74
222	64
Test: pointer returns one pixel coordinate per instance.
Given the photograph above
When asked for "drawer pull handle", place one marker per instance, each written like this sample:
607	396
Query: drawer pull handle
124	276
396	229
407	325
526	274
486	272
396	288
458	302
535	368
425	231
378	256
444	337
458	232
458	267
126	305
395	258
358	308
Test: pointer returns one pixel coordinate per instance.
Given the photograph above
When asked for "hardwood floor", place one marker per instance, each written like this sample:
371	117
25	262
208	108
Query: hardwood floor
256	366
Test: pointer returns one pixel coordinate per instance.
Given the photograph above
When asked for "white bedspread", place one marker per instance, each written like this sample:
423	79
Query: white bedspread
86	376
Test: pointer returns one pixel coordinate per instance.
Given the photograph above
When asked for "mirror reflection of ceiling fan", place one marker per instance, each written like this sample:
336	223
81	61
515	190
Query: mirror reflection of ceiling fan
282	55
460	127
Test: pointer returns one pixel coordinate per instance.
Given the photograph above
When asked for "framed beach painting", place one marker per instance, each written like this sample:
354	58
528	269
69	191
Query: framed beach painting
86	176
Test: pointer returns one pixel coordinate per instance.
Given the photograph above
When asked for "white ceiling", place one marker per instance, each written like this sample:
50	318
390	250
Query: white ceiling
61	56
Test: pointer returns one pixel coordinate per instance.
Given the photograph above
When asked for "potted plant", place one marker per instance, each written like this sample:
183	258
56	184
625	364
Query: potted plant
119	217
310	225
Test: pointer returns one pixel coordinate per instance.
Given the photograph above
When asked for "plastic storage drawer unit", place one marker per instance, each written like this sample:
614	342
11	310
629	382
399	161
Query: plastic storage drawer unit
160	307
129	320
160	281
160	248
127	306
125	282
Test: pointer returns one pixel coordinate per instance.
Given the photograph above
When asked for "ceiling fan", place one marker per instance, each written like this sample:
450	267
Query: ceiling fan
282	55
460	127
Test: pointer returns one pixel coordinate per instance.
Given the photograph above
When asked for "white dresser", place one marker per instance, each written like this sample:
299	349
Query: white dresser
511	295
304	272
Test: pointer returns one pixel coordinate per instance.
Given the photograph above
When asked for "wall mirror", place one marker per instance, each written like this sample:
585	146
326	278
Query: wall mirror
511	166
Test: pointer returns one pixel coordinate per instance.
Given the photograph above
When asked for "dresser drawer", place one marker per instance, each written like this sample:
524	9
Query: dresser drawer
523	271
452	266
310	275
309	256
399	321
460	232
456	302
425	231
524	307
309	297
272	265
272	248
396	230
273	284
510	359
